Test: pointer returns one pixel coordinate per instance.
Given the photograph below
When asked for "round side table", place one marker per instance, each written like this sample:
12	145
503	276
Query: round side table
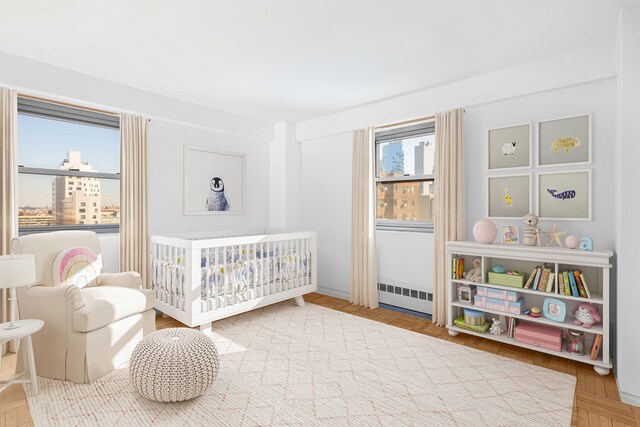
24	331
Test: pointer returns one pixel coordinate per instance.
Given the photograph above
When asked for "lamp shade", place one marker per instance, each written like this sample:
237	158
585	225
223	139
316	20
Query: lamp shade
17	270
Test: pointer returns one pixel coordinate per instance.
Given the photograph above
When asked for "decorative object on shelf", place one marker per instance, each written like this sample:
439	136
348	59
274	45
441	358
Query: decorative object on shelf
575	342
474	317
554	309
572	241
509	196
466	293
474	274
214	181
460	323
554	235
586	244
586	314
531	235
564	195
510	147
534	312
538	335
514	279
595	347
510	235
499	304
485	231
496	328
498	268
564	140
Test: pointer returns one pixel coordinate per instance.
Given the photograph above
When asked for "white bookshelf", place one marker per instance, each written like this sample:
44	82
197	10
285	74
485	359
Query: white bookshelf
594	264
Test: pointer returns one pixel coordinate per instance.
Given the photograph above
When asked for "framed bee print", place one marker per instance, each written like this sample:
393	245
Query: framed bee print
564	141
214	181
509	196
509	147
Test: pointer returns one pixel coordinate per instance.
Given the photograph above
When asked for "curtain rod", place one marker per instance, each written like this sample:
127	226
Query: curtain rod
407	122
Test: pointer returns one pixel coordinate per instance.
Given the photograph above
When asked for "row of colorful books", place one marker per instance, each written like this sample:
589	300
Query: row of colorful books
573	283
457	267
541	279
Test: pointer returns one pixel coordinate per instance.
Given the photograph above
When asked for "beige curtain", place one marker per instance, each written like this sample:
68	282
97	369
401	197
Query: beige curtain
449	197
8	181
134	228
364	264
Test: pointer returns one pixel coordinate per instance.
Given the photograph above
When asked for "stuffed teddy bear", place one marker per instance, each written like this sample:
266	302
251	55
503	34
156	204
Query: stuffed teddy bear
474	274
531	235
586	315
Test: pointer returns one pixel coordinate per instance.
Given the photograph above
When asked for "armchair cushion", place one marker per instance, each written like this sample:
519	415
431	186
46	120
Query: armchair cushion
127	279
104	305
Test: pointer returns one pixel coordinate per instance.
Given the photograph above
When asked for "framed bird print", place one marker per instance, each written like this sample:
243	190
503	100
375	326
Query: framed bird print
214	181
566	140
509	147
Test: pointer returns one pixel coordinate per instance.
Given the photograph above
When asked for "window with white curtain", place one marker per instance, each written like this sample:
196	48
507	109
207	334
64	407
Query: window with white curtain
404	177
68	168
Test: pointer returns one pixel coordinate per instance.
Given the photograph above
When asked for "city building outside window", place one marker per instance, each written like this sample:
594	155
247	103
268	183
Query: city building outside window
69	158
405	158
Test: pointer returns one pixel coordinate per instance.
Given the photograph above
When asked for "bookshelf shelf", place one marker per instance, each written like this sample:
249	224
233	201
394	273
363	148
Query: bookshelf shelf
595	265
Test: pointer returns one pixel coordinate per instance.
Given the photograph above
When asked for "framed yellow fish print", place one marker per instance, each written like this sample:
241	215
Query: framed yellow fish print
564	195
565	140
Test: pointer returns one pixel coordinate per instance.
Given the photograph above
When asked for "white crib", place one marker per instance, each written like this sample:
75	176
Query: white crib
199	278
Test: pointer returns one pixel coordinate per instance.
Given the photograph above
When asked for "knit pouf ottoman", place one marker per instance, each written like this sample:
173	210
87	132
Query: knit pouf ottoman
171	365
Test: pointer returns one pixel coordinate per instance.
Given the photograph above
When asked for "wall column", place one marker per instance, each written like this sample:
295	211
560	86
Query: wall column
284	178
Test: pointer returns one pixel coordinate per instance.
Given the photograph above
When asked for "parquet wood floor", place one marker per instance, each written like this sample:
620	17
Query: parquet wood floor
596	404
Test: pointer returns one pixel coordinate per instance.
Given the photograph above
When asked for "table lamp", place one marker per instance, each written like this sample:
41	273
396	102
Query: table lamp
16	270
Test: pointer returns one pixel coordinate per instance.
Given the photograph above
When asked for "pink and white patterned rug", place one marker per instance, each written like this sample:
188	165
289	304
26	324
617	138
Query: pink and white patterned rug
312	366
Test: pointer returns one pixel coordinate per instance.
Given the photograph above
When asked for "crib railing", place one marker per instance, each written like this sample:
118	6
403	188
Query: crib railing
198	277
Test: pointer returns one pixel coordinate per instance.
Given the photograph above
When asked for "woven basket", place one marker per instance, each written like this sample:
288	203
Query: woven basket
172	365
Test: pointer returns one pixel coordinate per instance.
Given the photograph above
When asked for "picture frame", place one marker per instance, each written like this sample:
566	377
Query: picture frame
565	196
564	140
554	309
214	181
509	147
509	196
510	234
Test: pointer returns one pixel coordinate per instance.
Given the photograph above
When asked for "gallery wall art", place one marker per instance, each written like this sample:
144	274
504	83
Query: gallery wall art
509	147
565	195
509	196
564	141
214	181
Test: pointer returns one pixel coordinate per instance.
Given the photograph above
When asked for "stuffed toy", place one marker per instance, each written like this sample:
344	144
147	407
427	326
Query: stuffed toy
531	235
475	274
586	315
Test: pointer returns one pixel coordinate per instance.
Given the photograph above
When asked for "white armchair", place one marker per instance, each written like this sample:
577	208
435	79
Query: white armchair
87	331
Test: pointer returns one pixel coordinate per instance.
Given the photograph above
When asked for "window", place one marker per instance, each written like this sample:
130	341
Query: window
404	177
69	158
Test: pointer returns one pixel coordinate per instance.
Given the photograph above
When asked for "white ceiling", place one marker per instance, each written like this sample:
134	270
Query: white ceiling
297	59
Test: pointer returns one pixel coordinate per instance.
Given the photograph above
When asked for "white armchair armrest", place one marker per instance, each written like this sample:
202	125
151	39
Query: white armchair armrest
54	305
127	279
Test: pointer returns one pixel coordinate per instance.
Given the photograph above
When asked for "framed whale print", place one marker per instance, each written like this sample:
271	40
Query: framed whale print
565	195
214	181
566	140
509	196
509	147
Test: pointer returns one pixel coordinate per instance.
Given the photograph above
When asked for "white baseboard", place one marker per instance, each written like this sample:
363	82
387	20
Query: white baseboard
333	292
629	398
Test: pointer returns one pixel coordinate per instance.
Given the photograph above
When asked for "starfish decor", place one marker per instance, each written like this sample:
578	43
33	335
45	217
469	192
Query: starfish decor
554	235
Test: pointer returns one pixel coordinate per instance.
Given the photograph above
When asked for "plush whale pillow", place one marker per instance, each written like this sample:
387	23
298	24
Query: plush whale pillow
77	266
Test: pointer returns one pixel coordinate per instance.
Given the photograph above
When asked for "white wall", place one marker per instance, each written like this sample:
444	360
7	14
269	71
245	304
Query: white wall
326	208
174	123
628	354
598	98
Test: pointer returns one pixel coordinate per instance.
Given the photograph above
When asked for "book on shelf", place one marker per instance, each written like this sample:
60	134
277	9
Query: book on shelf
561	284
551	282
457	267
567	284
531	277
574	285
534	286
584	283
544	278
581	290
595	347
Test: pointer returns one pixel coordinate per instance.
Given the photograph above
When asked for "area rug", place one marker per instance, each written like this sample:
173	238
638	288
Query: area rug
312	366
